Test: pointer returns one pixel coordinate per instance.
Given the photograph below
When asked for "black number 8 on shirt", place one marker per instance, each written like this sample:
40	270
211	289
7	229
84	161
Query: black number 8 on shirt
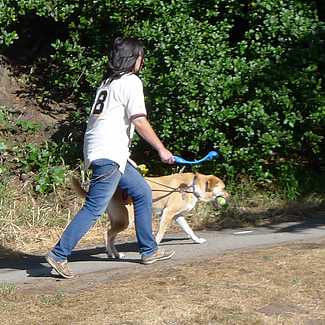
99	105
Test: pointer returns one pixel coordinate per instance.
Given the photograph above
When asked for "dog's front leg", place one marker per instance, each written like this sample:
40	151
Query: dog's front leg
188	230
111	250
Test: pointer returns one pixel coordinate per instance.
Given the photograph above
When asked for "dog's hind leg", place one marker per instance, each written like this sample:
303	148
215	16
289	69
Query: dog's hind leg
111	250
165	221
188	230
119	218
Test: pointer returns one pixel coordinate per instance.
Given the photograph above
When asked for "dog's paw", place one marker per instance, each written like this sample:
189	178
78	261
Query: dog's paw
200	241
116	255
120	256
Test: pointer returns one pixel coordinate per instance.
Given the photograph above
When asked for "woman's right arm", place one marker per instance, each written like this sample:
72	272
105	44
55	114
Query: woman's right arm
145	130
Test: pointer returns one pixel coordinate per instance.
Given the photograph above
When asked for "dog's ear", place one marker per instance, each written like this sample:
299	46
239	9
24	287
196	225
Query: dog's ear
213	181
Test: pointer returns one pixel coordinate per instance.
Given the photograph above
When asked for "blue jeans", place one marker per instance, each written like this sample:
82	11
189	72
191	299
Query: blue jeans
105	179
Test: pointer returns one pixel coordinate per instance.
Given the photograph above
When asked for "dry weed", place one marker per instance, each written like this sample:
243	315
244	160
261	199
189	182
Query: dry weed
279	285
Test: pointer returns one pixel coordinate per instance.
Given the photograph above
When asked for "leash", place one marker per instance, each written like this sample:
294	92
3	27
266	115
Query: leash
183	188
181	161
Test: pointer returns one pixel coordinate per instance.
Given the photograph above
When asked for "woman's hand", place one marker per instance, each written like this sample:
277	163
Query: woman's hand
166	156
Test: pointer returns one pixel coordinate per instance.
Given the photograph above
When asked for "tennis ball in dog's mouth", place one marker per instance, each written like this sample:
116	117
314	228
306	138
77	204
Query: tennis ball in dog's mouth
221	200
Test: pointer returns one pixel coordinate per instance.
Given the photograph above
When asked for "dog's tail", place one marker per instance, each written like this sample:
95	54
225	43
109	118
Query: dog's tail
76	185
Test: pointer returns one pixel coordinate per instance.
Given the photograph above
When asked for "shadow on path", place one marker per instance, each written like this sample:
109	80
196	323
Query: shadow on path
36	265
303	225
294	217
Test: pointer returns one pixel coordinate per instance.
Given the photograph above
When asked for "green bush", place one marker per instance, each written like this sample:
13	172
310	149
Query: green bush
242	76
40	163
46	165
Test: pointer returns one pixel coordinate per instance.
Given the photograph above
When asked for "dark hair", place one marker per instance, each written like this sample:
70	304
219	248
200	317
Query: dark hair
124	55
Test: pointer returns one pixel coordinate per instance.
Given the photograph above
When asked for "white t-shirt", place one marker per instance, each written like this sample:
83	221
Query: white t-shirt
109	129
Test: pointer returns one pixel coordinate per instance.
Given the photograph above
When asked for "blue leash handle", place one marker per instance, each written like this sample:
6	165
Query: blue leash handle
181	161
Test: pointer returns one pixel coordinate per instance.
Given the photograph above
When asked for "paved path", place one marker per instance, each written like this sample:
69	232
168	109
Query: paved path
33	268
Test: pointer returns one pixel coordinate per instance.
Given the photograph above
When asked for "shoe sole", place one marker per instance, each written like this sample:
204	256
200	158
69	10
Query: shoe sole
52	263
159	259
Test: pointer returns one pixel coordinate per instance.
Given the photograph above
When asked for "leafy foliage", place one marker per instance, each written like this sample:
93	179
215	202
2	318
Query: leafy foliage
28	126
242	76
43	163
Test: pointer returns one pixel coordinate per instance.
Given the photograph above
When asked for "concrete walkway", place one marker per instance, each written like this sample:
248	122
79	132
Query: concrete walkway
34	268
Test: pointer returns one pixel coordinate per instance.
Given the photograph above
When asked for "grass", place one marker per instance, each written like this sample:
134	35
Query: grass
278	285
248	206
31	223
56	299
234	288
7	289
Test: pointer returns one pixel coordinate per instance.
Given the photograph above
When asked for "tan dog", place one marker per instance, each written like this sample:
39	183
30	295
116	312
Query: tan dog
172	195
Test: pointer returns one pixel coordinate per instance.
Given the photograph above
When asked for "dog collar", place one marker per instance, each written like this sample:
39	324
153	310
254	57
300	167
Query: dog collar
192	186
